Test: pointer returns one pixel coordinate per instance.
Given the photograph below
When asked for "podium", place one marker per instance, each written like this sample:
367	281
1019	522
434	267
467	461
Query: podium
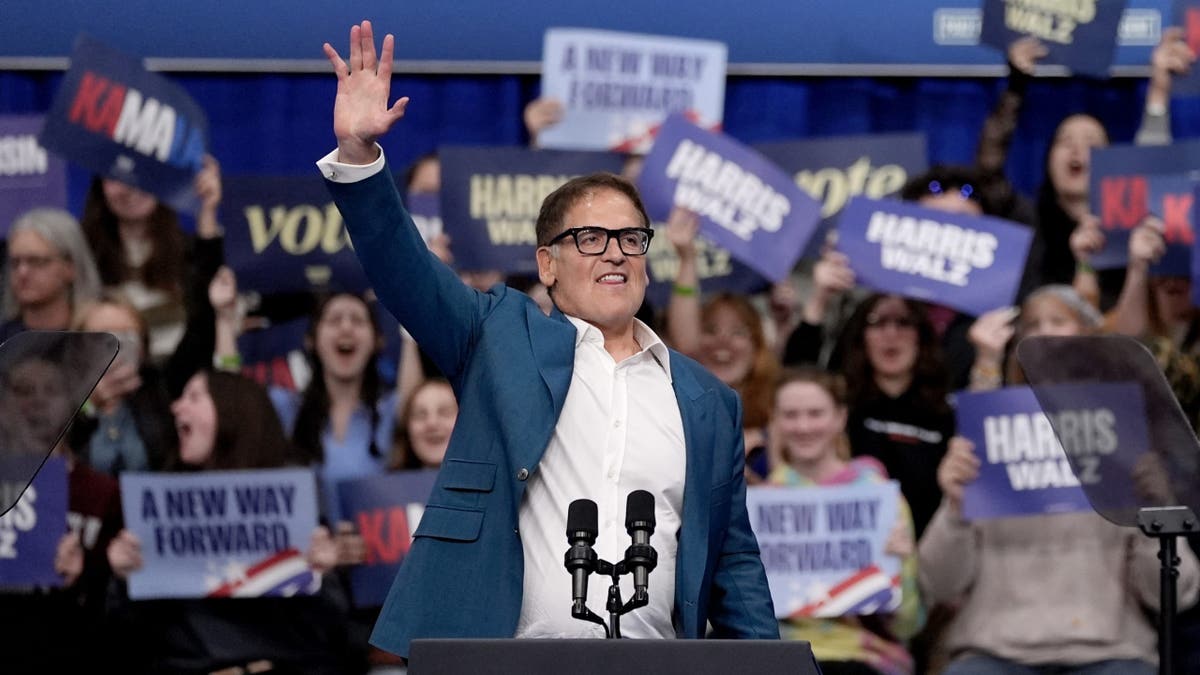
611	657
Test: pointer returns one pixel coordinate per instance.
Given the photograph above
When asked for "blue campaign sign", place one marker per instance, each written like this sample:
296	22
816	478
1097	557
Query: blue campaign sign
491	198
116	119
386	511
31	530
1186	14
970	263
616	88
717	268
275	356
29	175
1081	35
222	534
1127	182
1024	465
823	548
832	170
284	233
746	204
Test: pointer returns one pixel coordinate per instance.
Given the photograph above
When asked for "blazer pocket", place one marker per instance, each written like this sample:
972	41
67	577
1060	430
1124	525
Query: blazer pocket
443	522
468	476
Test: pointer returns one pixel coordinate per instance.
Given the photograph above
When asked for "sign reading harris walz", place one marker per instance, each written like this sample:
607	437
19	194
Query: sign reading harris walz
970	263
1078	34
746	204
113	117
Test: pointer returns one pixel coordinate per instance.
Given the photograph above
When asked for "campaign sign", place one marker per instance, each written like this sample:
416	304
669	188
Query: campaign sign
1024	467
222	534
746	204
284	233
717	269
970	263
1186	14
426	211
823	548
113	117
31	530
1128	182
491	198
1079	34
832	170
386	511
275	356
617	88
30	177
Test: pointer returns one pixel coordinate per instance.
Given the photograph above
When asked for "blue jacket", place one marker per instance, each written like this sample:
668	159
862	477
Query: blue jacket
510	366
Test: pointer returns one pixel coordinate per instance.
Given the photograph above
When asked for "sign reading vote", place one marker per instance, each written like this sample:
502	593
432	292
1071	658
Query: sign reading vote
1024	464
283	233
1079	34
832	170
616	88
116	119
491	198
970	263
746	204
823	548
221	533
31	530
386	510
30	177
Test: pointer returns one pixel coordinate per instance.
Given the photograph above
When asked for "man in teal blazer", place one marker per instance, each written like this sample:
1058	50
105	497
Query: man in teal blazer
511	367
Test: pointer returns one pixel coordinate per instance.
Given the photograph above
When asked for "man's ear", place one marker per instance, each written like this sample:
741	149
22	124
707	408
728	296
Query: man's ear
547	267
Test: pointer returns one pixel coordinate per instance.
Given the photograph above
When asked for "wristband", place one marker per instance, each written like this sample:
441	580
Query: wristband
227	363
685	291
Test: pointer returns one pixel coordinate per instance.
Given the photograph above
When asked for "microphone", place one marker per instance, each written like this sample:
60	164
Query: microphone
640	557
580	559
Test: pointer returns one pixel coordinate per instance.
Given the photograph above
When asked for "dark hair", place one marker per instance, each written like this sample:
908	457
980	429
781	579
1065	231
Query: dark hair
249	434
313	415
162	270
557	203
403	458
411	172
757	388
946	178
930	380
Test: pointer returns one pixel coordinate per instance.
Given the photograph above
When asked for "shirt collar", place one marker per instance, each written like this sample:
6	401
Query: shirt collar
646	338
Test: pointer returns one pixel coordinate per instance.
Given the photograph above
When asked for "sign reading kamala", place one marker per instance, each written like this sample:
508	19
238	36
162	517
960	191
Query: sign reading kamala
31	530
1079	34
29	176
283	233
1186	13
386	510
832	170
491	198
221	533
746	204
114	118
1025	468
617	88
823	548
1128	182
970	263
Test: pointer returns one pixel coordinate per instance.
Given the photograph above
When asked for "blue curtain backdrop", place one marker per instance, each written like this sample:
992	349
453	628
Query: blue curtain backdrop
280	124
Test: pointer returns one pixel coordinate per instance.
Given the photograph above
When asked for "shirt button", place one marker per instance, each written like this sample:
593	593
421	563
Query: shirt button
616	424
523	474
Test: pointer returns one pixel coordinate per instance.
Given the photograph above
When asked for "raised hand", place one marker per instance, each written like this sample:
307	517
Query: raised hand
1146	243
1086	239
682	227
958	469
1024	54
125	554
991	332
541	114
360	112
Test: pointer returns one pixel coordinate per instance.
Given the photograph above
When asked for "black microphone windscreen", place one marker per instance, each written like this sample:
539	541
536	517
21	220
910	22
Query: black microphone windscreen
639	508
582	517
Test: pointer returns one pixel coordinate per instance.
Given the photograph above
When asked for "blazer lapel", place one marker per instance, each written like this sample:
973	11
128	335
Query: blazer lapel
696	408
552	340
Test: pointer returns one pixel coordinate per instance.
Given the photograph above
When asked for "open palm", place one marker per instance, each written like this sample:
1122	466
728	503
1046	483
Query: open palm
361	113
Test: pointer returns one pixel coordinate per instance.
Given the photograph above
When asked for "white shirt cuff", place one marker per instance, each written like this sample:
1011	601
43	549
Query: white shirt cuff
348	173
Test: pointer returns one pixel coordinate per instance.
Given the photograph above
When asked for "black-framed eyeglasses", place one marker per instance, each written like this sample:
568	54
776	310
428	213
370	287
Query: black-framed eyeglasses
594	240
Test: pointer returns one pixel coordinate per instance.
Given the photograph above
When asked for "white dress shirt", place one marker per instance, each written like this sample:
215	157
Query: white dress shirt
619	431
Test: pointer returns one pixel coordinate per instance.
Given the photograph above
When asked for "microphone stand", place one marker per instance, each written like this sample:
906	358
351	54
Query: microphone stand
1165	524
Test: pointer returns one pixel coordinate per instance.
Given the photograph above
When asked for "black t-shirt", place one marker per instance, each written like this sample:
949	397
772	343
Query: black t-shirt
910	439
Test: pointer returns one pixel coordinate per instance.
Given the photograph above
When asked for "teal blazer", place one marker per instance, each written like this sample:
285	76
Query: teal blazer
510	366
